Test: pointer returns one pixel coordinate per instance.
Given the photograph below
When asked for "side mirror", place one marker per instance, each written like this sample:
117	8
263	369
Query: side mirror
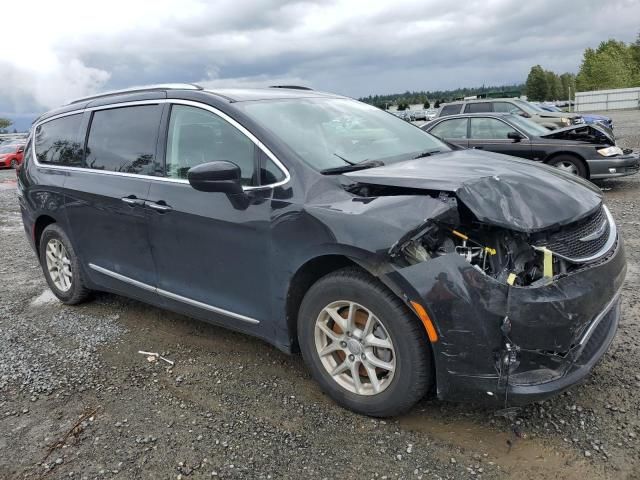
216	177
20	150
515	136
525	115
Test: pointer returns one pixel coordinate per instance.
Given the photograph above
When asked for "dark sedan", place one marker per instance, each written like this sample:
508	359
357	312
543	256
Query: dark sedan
589	151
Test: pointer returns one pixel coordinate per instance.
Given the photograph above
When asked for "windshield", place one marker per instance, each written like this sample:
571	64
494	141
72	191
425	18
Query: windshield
333	132
8	149
529	127
527	107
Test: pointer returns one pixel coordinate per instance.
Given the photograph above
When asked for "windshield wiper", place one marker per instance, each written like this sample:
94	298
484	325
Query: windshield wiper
345	160
426	154
353	167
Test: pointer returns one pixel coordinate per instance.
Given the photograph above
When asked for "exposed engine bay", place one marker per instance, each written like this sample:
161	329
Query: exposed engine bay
510	257
506	256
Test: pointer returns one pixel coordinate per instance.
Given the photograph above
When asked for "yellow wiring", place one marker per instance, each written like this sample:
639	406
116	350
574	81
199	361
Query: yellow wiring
458	234
547	265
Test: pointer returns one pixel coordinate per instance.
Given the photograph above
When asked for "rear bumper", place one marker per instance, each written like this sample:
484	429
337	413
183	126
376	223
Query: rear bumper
559	330
614	166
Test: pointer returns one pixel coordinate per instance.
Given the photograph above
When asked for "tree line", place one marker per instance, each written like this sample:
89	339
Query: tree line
434	97
613	64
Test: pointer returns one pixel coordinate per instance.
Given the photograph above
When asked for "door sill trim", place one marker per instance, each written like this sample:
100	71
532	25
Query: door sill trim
171	295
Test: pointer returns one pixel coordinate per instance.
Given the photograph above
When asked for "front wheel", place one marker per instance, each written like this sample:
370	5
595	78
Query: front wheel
363	345
14	164
569	164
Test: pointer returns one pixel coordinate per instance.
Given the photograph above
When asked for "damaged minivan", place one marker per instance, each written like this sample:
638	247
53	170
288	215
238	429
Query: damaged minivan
394	263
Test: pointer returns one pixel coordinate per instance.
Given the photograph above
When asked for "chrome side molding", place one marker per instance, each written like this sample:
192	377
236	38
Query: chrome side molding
171	295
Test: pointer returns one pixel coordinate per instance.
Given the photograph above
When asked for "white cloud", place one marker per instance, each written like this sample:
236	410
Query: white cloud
68	48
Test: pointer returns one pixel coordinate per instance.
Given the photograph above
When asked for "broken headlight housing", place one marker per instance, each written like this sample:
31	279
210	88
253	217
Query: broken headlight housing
610	151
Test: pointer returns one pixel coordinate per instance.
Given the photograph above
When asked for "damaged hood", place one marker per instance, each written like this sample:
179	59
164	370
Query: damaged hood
588	133
499	190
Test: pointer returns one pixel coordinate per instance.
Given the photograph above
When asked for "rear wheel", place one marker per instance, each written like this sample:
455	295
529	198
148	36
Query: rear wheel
569	164
61	266
363	345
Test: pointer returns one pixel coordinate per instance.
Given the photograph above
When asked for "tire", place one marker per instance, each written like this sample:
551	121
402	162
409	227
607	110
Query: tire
569	164
14	164
76	291
398	390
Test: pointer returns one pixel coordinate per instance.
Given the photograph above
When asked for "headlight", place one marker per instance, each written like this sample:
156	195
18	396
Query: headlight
578	120
610	151
566	121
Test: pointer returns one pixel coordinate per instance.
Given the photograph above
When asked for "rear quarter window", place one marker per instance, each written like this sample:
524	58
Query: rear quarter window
450	110
57	141
479	107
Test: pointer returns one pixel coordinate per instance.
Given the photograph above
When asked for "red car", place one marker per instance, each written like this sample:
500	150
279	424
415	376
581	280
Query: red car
11	155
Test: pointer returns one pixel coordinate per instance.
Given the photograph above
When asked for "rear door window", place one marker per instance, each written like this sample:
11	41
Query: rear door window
478	107
124	139
57	141
450	110
454	128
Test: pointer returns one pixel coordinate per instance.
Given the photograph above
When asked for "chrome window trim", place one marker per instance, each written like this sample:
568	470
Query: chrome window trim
177	101
173	296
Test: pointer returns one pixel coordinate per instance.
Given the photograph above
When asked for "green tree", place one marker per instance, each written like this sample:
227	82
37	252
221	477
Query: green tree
5	123
537	86
611	65
554	86
426	104
635	56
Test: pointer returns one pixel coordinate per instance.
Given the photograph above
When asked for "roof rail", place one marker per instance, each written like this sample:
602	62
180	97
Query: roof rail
144	88
292	87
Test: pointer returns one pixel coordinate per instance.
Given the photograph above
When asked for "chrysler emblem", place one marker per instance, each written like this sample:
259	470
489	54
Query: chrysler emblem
597	234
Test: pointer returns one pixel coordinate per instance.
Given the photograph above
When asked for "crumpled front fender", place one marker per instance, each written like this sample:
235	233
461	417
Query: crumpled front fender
468	308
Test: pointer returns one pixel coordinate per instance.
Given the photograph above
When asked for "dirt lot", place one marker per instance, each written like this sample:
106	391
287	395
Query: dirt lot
78	401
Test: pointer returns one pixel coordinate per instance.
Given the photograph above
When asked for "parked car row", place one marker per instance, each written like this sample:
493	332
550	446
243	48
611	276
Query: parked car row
416	115
395	262
588	151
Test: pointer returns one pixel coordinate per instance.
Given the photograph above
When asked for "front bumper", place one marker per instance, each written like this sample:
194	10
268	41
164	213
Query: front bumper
611	167
560	330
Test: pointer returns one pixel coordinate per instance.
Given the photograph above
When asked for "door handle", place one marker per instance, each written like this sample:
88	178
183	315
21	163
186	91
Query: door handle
478	148
161	206
132	200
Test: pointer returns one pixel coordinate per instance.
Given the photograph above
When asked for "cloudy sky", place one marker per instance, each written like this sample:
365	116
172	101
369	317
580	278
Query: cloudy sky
54	51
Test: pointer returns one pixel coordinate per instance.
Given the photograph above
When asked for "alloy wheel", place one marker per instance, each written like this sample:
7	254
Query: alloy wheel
568	167
355	348
59	265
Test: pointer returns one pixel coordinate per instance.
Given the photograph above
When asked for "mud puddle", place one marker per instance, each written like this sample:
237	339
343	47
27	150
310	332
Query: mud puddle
518	457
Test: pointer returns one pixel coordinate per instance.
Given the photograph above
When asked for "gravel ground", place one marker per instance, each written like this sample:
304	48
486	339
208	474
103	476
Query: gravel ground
78	401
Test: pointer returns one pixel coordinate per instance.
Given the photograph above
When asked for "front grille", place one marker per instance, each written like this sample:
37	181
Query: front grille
567	243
